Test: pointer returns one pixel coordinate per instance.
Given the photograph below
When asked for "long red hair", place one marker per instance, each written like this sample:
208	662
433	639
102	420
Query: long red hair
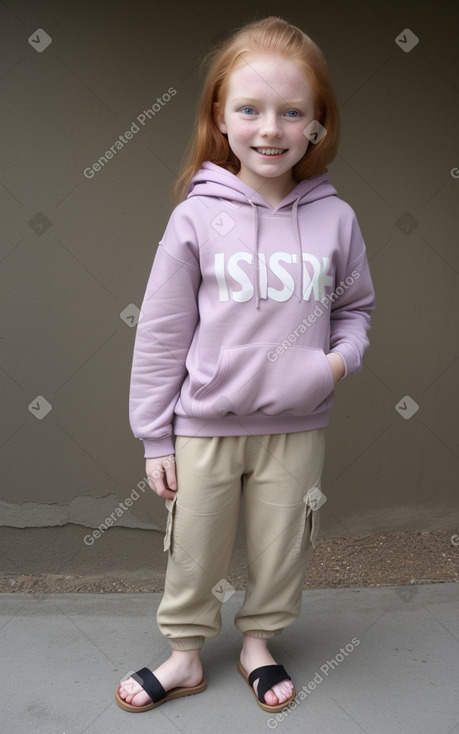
271	35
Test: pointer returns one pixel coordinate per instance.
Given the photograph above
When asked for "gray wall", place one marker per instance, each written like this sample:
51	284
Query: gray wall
76	251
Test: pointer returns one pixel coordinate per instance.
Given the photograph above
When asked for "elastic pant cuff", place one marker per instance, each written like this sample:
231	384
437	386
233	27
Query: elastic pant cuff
263	634
186	643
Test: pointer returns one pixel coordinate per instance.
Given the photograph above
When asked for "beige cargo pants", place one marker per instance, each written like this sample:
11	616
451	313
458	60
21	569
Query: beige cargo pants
277	477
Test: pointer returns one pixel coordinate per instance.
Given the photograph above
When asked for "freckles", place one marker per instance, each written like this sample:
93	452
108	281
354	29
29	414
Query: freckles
243	131
245	126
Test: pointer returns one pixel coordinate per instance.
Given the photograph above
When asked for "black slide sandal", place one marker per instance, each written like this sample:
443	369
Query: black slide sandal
154	689
269	675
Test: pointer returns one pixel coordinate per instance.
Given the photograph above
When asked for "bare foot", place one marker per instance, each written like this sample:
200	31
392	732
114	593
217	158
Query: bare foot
254	654
183	668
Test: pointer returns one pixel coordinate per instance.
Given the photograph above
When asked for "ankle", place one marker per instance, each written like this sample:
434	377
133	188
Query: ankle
253	645
186	659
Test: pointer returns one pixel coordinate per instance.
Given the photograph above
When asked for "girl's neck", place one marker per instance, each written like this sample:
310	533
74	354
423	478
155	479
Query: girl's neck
273	190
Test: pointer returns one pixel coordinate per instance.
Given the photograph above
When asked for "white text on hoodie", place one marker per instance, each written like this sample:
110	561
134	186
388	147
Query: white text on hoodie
230	271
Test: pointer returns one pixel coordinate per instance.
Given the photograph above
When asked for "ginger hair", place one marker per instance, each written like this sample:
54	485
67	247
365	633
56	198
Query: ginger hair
269	36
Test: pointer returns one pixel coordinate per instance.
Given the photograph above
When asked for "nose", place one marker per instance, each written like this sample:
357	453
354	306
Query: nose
270	126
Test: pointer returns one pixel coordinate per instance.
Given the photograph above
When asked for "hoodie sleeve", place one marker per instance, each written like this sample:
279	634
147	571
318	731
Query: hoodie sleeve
352	301
168	318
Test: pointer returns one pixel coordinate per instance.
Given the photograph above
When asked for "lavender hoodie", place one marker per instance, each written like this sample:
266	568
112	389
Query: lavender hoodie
243	303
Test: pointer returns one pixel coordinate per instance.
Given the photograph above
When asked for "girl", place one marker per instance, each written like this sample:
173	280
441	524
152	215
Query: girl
257	304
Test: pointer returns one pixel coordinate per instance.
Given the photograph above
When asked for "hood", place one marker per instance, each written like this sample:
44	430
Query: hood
217	182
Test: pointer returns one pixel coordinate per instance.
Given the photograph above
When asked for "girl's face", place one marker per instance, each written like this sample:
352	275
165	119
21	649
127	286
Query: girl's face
268	105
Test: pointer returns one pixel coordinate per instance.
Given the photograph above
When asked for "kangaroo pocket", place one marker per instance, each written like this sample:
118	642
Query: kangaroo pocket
255	378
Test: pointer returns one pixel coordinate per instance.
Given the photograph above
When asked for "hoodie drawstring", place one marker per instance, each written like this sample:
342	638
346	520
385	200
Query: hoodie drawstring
256	264
256	259
296	231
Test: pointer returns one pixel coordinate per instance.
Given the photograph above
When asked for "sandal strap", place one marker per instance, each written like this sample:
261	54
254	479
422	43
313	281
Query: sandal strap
269	675
150	684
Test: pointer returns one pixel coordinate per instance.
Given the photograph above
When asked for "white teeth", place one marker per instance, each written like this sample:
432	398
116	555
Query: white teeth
270	151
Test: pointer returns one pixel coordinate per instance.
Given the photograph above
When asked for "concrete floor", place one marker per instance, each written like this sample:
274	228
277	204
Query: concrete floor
63	657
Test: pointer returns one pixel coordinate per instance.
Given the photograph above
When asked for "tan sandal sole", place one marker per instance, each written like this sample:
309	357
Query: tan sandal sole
178	692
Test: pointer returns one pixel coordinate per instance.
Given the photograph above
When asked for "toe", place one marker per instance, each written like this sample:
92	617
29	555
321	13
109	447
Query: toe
287	688
270	696
281	692
271	699
124	693
133	693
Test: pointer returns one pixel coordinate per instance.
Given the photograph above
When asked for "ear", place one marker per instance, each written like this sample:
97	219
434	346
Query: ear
220	119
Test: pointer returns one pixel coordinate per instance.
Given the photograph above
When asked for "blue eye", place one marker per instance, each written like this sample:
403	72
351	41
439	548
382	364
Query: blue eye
293	113
248	110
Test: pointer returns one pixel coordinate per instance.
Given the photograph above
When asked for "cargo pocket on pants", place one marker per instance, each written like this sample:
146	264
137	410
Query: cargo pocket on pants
313	500
170	506
310	521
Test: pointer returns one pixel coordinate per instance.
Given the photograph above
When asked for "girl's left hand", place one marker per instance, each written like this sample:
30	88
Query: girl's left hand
337	365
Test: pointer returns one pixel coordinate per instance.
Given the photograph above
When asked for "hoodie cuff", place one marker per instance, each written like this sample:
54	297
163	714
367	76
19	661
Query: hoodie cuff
158	447
348	353
336	351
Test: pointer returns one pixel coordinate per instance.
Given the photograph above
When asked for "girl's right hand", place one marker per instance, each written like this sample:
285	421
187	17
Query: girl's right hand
162	476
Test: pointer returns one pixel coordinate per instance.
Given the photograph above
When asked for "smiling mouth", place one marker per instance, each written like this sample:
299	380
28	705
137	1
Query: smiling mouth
271	151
